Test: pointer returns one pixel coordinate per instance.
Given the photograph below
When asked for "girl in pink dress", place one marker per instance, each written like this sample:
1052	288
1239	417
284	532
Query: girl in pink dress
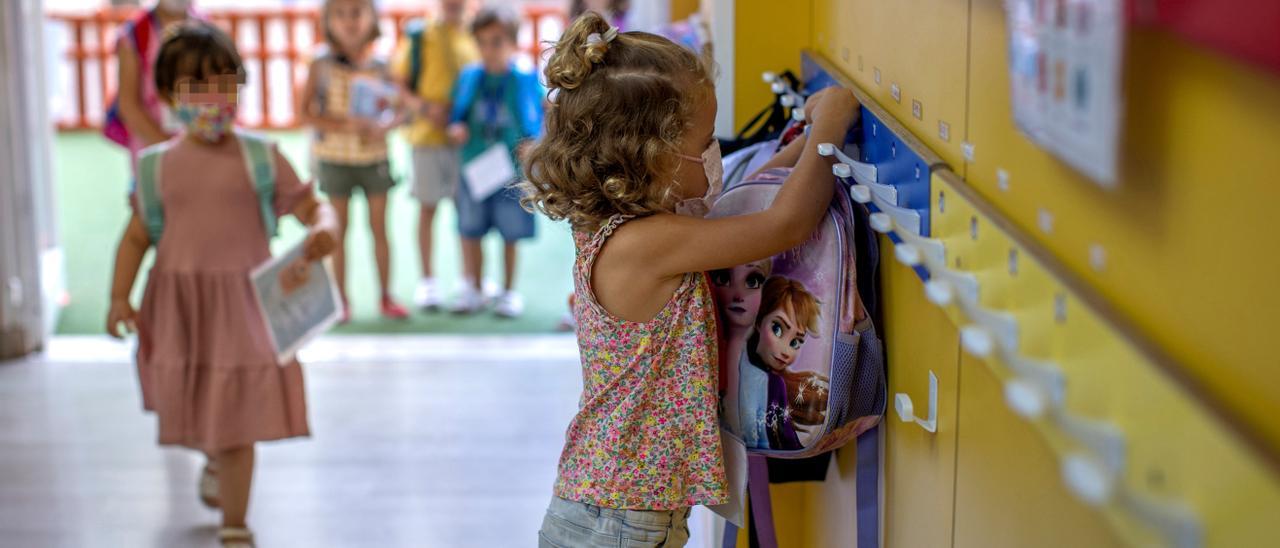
205	361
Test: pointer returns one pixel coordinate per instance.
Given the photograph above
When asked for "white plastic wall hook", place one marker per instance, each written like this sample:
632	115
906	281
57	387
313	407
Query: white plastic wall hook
976	340
1047	377
1104	439
1002	326
906	410
788	100
860	193
1174	521
1088	478
778	88
839	170
1025	398
938	292
881	222
932	253
962	284
907	254
861	172
769	76
797	113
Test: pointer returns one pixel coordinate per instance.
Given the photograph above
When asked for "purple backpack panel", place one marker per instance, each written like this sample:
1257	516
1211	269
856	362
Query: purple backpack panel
801	365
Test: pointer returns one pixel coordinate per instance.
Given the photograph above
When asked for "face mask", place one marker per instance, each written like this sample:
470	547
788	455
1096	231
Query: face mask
713	168
176	6
207	121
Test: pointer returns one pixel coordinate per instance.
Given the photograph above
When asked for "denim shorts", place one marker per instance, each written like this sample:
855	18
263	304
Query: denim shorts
570	524
502	211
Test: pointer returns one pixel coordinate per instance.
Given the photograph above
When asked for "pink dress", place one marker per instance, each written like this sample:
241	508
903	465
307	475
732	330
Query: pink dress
205	360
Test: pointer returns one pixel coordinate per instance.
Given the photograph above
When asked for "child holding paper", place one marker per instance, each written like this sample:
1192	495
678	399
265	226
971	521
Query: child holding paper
497	111
343	103
205	361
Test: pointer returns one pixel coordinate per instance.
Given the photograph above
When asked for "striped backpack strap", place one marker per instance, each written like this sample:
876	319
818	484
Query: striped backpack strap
147	193
262	173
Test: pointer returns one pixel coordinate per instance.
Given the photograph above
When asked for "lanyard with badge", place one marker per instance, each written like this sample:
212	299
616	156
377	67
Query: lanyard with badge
492	97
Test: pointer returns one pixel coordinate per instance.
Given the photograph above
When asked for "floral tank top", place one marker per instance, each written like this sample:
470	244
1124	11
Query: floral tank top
646	435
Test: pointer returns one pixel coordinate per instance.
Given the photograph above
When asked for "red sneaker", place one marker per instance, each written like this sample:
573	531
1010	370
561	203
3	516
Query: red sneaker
392	310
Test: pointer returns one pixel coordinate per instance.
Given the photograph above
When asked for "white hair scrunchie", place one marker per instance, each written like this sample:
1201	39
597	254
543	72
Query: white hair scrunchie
595	38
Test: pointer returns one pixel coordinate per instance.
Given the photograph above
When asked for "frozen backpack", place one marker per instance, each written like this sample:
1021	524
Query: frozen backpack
802	368
258	158
802	363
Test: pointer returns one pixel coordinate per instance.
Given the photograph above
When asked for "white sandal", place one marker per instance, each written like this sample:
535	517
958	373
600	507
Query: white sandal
235	537
208	487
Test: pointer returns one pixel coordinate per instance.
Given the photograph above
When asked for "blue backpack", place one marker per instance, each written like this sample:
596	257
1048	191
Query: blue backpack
262	172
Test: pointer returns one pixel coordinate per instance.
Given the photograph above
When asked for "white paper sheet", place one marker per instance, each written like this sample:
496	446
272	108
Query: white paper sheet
298	299
1065	66
489	172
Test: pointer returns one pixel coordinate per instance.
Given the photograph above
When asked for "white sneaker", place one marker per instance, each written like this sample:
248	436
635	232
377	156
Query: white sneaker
428	295
509	305
468	301
492	292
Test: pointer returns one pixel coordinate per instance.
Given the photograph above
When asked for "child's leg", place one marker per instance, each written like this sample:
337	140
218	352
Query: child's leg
426	220
472	261
381	248
340	205
235	476
509	265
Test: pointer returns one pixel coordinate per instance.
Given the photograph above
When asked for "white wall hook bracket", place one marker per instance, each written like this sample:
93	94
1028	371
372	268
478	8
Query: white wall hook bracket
906	410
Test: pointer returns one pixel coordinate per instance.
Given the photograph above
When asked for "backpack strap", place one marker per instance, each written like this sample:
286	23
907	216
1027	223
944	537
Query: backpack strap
260	161
147	192
867	484
416	30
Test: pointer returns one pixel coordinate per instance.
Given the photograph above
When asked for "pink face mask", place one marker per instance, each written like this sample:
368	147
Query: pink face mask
713	168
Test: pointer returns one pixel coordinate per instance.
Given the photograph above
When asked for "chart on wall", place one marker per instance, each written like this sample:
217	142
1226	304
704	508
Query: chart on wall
1065	61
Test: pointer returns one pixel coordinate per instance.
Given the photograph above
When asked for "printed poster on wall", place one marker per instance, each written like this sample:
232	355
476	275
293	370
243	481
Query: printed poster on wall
1065	60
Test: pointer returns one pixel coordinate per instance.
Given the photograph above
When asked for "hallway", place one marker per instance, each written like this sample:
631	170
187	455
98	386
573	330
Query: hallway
416	441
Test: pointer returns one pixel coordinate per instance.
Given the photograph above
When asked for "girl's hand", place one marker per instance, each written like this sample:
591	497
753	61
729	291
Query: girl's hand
835	105
437	114
320	243
458	134
121	312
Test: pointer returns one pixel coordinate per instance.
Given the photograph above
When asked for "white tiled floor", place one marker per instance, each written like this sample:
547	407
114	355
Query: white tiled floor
416	441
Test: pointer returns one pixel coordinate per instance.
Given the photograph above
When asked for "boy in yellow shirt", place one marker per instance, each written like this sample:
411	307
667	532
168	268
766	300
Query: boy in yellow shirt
427	62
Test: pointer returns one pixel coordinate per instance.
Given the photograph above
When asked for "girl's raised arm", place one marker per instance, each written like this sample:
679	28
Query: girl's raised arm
669	245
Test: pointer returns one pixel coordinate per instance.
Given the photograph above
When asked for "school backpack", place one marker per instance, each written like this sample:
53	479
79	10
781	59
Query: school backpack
140	28
802	363
258	159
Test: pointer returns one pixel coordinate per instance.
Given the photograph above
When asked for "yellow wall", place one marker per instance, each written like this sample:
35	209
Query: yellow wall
768	36
682	9
1169	339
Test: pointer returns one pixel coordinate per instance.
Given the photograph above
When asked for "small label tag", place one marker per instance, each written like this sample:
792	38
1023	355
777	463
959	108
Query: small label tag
896	92
944	131
917	109
967	150
876	73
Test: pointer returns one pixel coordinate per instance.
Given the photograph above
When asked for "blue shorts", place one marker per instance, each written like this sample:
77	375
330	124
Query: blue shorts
502	211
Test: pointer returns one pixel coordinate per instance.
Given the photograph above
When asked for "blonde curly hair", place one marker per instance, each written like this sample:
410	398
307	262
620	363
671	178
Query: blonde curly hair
619	109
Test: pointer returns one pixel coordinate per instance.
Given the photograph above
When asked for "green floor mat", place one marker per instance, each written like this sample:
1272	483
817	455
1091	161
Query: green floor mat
92	176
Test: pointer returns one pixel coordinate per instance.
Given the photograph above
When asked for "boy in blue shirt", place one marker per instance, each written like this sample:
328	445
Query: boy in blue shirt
494	102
